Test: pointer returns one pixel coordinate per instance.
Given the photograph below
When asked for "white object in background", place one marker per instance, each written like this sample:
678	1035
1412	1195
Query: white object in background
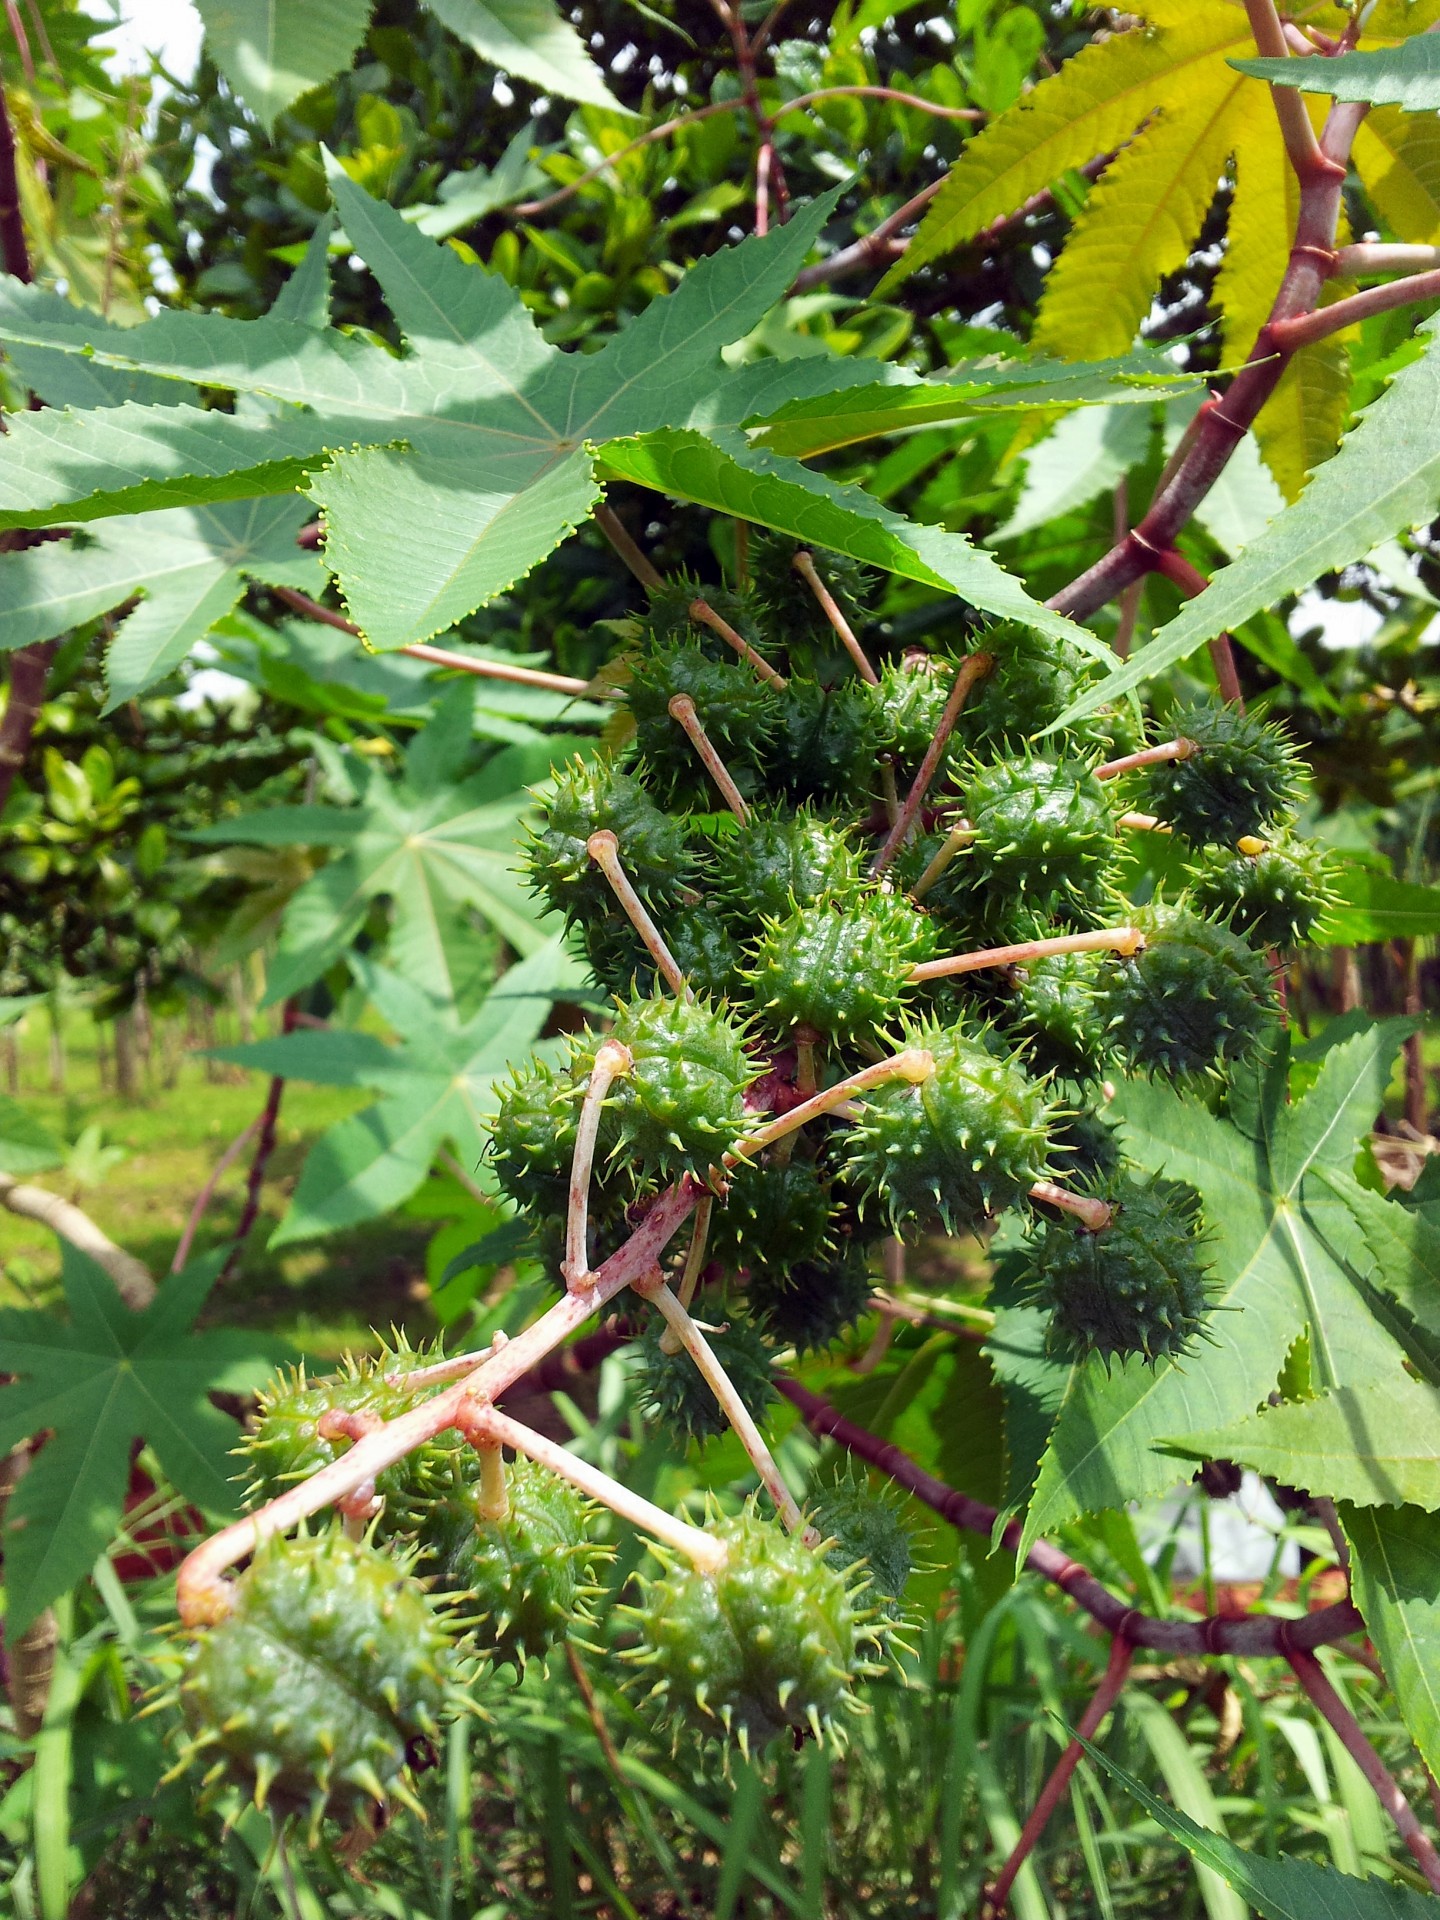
1244	1532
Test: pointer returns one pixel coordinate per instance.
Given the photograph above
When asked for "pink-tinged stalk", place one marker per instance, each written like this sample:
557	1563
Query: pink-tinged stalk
1123	940
1095	1215
1180	749
705	614
604	850
612	1062
804	565
683	711
914	1064
972	669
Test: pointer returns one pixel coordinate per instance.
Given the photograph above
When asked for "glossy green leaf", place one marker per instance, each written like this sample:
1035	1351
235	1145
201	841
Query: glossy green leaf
1373	906
1395	1582
26	1144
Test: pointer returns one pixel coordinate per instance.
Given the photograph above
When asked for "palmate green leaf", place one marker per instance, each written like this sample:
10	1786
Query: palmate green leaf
272	51
1384	480
722	469
435	1087
444	474
1395	1582
1277	1273
1395	1245
98	1381
1276	1889
1405	75
1373	1445
437	845
189	564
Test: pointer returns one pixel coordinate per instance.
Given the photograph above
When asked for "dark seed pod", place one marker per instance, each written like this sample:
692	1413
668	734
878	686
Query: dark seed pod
591	797
525	1580
960	1145
532	1136
736	708
824	748
1275	898
330	1664
668	621
681	1106
1083	1147
675	1392
1195	998
772	1217
842	969
1036	676
1139	1286
1243	778
865	1525
1056	1017
768	1642
1044	834
810	1304
704	949
786	605
777	862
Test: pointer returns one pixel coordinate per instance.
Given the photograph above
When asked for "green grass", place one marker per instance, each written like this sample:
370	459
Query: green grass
324	1296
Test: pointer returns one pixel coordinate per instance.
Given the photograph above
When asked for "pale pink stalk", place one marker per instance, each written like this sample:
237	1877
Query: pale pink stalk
682	709
959	836
1094	1214
705	614
1180	749
612	1062
974	668
604	850
804	565
1143	823
914	1064
1124	940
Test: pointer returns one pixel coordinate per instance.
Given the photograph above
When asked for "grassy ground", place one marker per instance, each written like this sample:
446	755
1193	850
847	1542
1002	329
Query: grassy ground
323	1297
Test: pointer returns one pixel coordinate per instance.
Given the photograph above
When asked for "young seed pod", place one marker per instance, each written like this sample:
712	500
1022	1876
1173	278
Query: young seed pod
703	947
774	1215
311	1690
809	1304
532	1136
1044	834
590	797
1194	999
1056	1017
780	861
909	702
1274	898
1243	778
1139	1286
771	1641
675	1392
737	709
825	745
787	606
864	1524
959	1146
842	968
1036	676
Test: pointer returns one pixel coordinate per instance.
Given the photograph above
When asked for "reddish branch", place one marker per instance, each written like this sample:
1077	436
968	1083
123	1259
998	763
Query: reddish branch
268	1125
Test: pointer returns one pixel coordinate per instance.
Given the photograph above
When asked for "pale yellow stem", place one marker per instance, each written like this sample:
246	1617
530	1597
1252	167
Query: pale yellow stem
612	1061
604	850
1124	940
682	709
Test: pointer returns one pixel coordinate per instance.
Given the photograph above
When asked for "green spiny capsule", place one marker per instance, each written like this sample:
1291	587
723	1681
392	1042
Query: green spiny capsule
523	1580
668	621
787	606
704	949
825	744
532	1136
681	1106
1083	1147
1056	1018
1044	834
736	708
842	968
865	1526
961	1145
675	1393
1139	1286
910	701
770	1641
591	797
1243	778
810	1303
773	1215
777	862
330	1665
1194	999
1036	676
1275	898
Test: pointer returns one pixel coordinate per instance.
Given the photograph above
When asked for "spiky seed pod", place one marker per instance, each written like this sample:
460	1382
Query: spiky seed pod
523	1581
961	1145
736	708
330	1664
777	862
1195	998
532	1136
865	1526
1056	1017
704	948
809	1304
1276	898
771	1640
772	1216
784	602
954	896
909	702
682	1104
591	796
1036	676
840	968
668	621
674	1392
1083	1147
1044	833
824	745
1139	1286
1243	778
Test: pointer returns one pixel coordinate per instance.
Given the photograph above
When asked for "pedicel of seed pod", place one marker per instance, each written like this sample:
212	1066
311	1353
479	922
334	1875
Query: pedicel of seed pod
788	609
1139	1287
737	710
703	947
668	621
330	1668
676	1395
770	1642
840	967
959	1146
1242	779
681	1106
909	703
1036	676
590	797
1274	896
1194	999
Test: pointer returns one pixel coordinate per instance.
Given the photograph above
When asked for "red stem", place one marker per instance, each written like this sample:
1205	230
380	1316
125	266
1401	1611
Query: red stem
1117	1670
1290	335
974	667
264	1147
1327	1702
1189	579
